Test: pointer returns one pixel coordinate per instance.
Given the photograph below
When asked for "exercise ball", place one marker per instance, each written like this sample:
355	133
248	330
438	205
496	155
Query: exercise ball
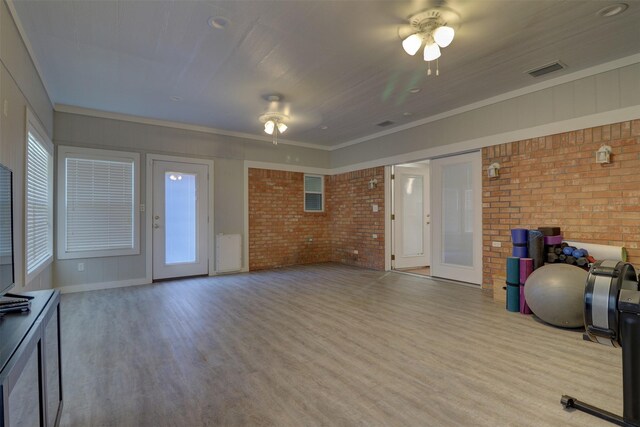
555	293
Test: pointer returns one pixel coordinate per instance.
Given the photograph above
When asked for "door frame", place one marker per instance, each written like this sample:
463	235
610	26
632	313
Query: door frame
148	209
396	221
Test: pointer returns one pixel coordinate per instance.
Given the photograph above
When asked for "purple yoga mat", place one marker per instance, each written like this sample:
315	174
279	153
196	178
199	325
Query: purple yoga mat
524	307
552	240
519	235
520	252
526	268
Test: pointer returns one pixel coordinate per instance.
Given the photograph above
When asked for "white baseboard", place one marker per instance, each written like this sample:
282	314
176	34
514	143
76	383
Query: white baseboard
102	285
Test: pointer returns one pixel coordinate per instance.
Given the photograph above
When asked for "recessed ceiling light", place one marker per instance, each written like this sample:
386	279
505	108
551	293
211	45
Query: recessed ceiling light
415	90
324	127
407	113
175	98
612	10
218	22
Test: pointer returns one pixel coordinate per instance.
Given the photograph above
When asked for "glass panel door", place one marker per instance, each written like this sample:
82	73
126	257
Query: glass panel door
180	219
457	217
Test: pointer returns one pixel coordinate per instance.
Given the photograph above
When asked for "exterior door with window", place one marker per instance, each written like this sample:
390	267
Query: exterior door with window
411	224
456	202
180	219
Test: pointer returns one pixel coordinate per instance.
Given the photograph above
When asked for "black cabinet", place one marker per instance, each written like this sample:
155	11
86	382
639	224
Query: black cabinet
31	371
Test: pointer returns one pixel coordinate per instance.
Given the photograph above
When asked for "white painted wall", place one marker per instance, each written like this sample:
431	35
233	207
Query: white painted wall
606	97
20	87
227	152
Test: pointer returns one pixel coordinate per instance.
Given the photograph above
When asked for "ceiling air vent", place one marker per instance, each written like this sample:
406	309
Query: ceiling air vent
546	69
385	123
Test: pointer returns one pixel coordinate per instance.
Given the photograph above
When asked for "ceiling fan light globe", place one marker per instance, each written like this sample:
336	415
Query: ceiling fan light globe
431	52
269	126
443	36
282	127
412	44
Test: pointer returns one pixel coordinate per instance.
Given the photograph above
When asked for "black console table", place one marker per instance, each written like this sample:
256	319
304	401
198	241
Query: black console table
30	364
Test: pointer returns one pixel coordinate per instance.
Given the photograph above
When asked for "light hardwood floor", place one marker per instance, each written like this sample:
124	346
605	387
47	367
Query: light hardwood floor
322	345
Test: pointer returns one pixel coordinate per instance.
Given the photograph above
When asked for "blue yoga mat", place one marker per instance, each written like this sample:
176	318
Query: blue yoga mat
519	238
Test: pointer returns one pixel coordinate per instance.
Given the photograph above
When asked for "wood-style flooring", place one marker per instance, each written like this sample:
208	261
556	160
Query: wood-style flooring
322	345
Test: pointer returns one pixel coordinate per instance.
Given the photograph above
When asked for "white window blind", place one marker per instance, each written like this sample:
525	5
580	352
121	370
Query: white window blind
313	193
39	203
99	204
5	213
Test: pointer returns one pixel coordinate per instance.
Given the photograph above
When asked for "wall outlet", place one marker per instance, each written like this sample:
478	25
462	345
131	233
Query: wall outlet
355	252
142	207
374	236
375	208
81	266
496	244
310	239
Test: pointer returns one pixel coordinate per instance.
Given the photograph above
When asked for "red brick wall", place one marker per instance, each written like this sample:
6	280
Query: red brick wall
554	181
281	233
353	222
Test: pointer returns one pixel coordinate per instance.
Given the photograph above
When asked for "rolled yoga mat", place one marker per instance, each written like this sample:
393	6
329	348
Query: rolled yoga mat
552	240
536	248
526	268
519	237
513	284
600	252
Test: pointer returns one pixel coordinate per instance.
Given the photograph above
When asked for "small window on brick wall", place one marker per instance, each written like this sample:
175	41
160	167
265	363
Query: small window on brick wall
313	193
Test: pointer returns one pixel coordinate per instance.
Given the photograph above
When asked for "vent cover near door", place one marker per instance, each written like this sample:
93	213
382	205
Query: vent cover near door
228	253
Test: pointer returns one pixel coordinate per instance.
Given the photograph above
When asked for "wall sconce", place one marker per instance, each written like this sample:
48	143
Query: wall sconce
603	155
493	170
373	184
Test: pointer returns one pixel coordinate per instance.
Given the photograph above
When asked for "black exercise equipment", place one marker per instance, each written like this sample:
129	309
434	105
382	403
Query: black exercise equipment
612	317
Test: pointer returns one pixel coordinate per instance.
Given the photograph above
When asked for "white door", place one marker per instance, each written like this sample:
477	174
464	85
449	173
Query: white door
411	227
180	219
456	200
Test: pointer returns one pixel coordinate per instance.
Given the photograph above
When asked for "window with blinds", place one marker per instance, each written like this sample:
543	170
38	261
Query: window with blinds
313	193
99	203
38	203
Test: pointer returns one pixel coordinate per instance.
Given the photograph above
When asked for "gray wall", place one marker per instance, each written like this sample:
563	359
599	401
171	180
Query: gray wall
20	86
600	93
228	154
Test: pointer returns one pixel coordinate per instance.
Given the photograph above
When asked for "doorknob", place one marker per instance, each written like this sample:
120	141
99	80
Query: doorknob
157	217
156	226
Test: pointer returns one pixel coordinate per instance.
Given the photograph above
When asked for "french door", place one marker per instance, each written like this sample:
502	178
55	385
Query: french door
411	226
180	219
456	200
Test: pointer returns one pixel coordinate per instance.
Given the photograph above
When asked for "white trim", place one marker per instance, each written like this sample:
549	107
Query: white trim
387	218
62	108
245	235
27	43
584	122
587	72
92	153
150	158
102	285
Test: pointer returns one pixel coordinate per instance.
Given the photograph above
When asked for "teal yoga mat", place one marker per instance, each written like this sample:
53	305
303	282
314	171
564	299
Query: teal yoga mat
513	270
513	298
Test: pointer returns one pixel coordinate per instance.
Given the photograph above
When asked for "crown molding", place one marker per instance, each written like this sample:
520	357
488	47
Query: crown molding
63	108
587	72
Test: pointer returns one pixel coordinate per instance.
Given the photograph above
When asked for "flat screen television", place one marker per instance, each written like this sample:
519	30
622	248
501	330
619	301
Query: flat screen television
7	276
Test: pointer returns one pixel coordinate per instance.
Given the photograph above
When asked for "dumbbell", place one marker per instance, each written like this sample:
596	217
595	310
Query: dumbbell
552	258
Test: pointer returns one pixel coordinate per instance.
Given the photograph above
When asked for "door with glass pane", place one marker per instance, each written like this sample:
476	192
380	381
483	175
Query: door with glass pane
411	216
456	200
180	219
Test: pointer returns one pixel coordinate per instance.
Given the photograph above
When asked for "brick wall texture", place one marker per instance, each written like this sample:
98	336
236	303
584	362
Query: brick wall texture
554	181
281	233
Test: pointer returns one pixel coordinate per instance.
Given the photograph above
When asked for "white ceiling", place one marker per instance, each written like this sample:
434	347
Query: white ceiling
337	64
